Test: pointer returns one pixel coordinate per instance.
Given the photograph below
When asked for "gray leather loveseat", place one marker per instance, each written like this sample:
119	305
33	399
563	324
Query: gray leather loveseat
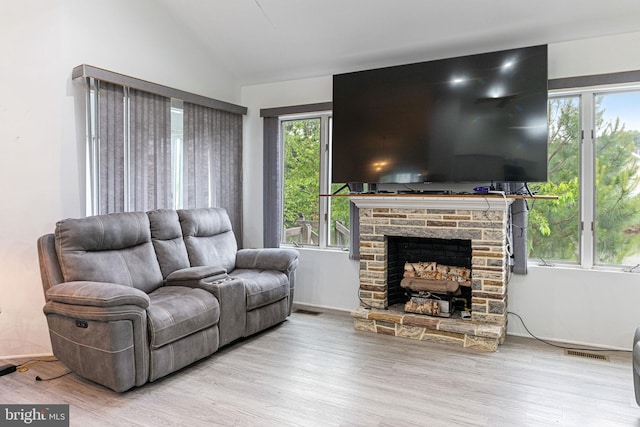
132	297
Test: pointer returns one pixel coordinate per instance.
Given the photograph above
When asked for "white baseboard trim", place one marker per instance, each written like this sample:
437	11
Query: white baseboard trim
571	344
26	356
320	309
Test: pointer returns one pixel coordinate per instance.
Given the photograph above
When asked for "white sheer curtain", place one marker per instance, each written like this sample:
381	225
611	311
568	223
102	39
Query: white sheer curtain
212	162
150	178
133	147
108	149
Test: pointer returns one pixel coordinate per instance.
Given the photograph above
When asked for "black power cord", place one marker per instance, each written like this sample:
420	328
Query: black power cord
560	346
24	367
38	378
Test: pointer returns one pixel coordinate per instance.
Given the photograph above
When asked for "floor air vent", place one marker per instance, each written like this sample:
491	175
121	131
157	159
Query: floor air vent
587	355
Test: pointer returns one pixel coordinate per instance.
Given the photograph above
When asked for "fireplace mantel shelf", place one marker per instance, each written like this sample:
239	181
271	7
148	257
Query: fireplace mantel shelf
489	202
463	195
436	201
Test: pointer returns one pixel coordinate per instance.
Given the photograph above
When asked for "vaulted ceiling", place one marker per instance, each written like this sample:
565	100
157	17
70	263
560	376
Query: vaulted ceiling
264	41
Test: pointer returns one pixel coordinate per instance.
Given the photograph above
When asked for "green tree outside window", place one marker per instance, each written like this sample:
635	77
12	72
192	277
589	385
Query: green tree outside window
301	196
554	226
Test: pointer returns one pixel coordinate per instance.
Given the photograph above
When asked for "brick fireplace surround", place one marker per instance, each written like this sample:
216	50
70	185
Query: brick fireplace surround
481	219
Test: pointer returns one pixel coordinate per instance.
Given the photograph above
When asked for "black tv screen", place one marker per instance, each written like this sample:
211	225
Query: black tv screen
475	118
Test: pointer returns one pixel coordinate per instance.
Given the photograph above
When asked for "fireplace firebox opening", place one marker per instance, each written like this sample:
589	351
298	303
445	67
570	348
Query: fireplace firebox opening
429	275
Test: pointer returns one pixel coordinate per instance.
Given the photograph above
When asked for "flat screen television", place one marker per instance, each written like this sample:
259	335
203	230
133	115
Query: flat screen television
476	118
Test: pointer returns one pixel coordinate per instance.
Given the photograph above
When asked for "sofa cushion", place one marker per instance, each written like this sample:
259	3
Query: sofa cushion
178	354
114	248
166	235
267	316
262	286
176	312
208	237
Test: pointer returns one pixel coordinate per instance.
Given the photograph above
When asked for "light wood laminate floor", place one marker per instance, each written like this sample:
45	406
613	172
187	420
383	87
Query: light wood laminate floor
316	370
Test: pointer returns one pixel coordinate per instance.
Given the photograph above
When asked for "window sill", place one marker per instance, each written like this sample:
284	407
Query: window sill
578	267
316	248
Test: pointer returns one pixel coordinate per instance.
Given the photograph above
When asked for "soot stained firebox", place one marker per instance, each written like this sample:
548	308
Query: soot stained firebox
402	250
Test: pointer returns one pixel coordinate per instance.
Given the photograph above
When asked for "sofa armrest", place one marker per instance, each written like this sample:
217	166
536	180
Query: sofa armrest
106	342
97	294
191	276
267	259
231	295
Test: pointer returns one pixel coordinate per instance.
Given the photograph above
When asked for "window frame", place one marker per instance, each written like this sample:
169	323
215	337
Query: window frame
324	203
597	85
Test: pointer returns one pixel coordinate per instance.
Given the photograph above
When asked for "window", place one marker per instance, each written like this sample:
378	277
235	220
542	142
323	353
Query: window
617	178
594	169
309	219
177	148
159	148
554	227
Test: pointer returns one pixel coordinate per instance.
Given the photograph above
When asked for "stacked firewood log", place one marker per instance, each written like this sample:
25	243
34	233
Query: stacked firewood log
433	285
435	271
427	306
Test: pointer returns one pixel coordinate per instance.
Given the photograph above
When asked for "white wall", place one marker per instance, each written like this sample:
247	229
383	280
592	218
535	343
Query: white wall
594	56
324	278
29	166
41	172
327	279
574	305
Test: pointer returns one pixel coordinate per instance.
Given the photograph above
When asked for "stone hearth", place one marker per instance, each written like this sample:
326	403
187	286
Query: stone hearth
481	219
